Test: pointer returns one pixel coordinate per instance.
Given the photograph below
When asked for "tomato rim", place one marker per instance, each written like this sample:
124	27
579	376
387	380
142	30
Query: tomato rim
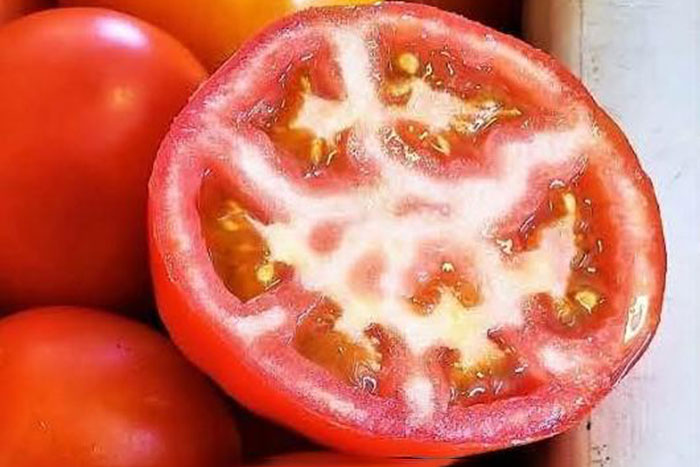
207	343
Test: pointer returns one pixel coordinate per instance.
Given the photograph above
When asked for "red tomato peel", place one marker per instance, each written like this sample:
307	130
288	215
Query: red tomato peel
467	265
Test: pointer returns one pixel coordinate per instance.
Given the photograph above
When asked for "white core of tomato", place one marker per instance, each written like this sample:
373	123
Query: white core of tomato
368	214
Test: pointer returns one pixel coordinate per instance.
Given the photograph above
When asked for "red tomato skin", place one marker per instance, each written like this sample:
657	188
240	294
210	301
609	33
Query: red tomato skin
201	338
11	9
87	95
82	387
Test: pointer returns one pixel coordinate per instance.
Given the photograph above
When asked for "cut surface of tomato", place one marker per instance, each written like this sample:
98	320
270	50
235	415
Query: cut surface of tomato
403	233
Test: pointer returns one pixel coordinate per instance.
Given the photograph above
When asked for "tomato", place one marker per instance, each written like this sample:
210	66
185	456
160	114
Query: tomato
326	459
213	29
11	9
504	15
87	95
88	388
403	233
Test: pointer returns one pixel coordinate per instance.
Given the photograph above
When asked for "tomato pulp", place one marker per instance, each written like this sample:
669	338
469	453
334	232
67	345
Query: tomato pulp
403	233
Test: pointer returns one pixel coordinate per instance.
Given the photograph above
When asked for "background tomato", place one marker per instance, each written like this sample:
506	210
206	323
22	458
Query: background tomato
87	388
11	9
504	15
213	29
87	95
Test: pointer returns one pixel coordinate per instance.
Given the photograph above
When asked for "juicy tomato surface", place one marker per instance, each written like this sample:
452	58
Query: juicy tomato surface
86	388
504	15
11	9
403	233
213	29
87	95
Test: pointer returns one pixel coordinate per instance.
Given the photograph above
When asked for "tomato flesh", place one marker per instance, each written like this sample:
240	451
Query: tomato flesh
242	257
429	236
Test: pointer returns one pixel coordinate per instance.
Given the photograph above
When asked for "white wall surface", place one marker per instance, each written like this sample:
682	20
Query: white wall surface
641	60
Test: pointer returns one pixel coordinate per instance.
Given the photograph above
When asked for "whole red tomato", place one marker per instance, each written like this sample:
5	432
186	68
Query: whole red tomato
213	29
87	388
87	95
11	9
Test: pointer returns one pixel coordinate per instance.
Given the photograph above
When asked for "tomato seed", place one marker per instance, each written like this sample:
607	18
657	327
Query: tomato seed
408	63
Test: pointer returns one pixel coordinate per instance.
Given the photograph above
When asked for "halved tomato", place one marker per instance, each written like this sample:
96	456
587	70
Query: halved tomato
403	233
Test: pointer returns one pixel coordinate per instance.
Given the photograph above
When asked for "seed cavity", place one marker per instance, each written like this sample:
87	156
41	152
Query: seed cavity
317	340
237	250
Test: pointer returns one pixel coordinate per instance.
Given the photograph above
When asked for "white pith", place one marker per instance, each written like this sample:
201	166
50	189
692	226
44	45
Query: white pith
470	206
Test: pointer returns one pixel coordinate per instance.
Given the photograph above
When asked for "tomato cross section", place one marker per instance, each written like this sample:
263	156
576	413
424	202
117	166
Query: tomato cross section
424	230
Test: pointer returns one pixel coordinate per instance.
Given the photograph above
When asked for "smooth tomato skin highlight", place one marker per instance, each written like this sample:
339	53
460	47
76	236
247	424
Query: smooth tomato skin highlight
212	29
87	95
11	9
89	388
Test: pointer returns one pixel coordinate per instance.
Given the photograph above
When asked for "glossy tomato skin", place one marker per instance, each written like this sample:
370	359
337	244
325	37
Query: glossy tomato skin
210	339
11	9
87	95
88	388
213	29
